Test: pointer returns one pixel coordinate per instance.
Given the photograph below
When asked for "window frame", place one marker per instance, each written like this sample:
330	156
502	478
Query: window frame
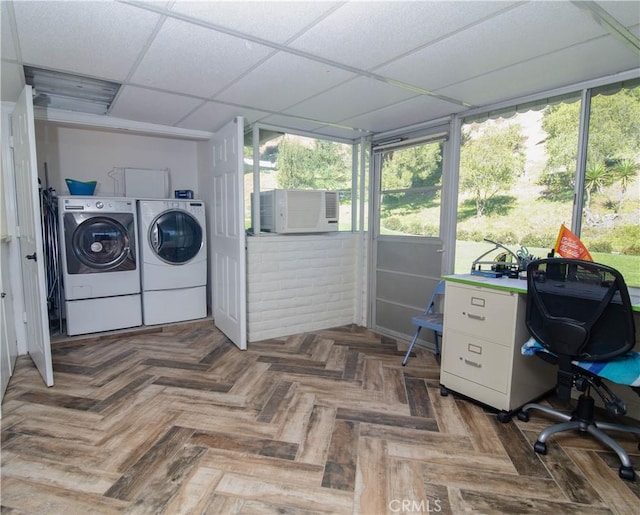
582	92
358	153
383	143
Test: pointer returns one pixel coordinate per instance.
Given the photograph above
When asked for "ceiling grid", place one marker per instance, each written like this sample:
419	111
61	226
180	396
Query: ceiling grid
343	69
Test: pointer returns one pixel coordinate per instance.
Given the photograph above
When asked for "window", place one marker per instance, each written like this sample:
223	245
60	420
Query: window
610	226
518	180
289	161
512	189
410	188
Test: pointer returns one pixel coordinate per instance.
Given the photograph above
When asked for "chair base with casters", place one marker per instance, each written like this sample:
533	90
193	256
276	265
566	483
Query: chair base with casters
583	419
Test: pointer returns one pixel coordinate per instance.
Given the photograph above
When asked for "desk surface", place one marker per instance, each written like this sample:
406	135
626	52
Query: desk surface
517	285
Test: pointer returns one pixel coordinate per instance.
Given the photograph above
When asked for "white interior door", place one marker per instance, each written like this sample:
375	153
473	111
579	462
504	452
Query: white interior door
8	341
30	235
228	234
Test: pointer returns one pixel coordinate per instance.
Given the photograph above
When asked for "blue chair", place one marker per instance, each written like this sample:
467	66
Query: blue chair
430	319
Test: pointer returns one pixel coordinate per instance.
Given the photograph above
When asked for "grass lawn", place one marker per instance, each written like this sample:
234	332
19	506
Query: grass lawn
524	215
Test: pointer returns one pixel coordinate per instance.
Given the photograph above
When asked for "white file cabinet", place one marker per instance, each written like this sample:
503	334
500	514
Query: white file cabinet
484	329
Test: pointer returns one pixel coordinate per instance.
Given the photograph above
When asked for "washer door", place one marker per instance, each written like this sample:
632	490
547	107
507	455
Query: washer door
175	237
99	243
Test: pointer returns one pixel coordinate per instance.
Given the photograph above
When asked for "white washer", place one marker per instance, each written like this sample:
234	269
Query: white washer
100	263
173	251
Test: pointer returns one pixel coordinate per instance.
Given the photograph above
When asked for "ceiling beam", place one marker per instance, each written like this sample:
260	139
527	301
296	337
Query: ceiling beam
610	24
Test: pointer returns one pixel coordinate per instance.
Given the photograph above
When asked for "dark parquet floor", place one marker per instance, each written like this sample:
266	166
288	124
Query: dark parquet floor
180	421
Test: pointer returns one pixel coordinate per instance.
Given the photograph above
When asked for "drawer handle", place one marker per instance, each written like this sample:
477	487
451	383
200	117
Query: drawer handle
473	363
475	317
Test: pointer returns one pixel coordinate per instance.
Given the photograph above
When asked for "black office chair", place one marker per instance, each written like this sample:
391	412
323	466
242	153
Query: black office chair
581	319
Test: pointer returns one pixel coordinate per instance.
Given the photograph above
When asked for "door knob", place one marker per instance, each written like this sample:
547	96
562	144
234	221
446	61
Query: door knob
32	256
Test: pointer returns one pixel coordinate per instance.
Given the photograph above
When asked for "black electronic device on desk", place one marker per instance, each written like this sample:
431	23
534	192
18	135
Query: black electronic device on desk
506	263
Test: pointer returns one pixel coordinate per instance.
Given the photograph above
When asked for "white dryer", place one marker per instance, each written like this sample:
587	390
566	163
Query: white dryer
100	265
174	260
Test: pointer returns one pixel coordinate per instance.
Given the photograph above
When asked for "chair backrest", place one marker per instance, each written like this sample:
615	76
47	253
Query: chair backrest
579	309
439	291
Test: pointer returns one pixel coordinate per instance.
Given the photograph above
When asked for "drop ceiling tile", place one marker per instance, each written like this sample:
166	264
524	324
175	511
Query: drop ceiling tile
499	42
212	116
272	21
469	50
195	60
134	103
7	46
367	34
281	81
349	99
412	111
97	39
591	60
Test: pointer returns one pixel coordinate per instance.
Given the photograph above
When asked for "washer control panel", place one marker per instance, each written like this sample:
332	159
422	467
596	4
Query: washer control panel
97	205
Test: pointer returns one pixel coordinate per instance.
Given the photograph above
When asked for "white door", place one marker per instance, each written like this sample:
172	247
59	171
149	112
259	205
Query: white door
228	234
30	235
8	341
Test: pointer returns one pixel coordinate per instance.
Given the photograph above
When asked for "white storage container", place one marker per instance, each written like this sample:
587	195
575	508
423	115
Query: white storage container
146	183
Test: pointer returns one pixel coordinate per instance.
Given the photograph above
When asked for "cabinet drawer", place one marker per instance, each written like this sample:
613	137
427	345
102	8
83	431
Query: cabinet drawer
476	360
480	311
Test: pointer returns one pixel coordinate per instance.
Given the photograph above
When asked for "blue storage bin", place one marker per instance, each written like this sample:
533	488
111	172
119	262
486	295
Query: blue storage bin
81	188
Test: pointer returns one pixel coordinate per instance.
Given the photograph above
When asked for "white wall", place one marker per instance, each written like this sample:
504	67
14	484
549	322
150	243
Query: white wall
301	283
90	154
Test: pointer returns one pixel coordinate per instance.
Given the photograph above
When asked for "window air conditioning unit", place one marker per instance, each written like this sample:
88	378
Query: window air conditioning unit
299	211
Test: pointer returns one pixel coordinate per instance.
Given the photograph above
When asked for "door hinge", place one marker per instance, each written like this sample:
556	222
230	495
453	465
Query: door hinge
11	145
17	231
24	317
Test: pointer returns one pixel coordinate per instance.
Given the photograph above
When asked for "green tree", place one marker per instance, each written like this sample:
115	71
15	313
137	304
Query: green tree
596	177
614	135
561	123
324	165
624	172
490	164
412	167
291	165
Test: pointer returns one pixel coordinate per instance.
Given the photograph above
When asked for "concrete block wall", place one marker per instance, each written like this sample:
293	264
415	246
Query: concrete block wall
299	283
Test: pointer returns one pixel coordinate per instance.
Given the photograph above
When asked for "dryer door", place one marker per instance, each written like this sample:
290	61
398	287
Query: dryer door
99	243
175	237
